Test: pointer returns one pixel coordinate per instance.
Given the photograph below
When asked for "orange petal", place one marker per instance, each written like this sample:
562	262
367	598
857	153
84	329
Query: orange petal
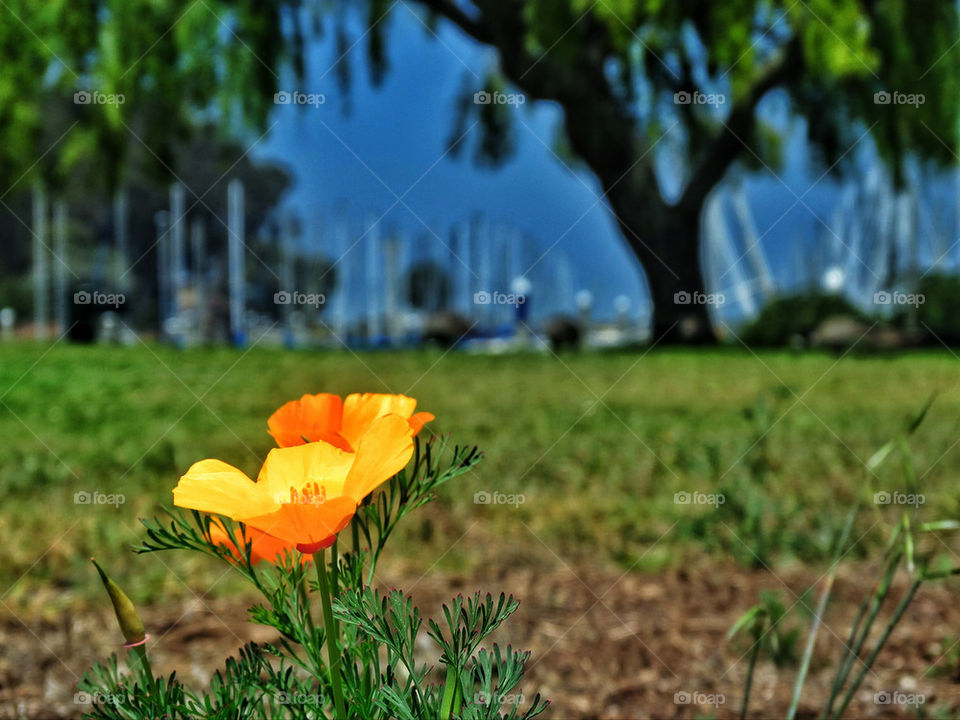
418	420
216	487
314	417
384	451
307	524
262	546
361	410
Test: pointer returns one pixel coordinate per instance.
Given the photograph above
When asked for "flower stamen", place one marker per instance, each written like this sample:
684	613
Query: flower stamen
310	494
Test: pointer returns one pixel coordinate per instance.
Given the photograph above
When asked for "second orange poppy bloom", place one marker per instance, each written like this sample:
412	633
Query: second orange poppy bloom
342	423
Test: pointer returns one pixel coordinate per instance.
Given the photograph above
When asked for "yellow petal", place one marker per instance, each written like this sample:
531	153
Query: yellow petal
302	465
216	487
361	410
383	451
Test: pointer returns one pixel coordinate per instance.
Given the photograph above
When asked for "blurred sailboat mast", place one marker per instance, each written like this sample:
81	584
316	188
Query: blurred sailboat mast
751	240
723	260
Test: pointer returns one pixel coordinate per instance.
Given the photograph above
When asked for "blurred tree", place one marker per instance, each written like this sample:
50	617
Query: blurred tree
205	163
939	313
793	318
643	81
660	99
130	72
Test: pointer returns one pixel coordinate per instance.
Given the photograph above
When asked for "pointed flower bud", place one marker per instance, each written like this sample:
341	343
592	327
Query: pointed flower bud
130	623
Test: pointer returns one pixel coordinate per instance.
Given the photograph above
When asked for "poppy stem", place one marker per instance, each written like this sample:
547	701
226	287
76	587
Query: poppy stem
333	642
137	658
335	561
452	694
355	533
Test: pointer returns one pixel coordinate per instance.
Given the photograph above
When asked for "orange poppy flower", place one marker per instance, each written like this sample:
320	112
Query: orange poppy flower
304	495
262	546
341	423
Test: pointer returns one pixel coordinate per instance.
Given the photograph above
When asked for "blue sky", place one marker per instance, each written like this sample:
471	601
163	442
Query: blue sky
393	138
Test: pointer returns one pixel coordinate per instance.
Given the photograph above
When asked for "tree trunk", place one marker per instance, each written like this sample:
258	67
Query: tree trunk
664	238
666	241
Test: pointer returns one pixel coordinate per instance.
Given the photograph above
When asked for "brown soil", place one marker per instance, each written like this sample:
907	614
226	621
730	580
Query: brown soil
604	645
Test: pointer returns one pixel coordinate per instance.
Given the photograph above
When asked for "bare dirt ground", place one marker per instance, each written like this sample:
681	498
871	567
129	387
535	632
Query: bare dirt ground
604	644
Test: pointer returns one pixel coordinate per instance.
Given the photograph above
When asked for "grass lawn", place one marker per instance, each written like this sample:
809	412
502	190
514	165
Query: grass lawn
597	445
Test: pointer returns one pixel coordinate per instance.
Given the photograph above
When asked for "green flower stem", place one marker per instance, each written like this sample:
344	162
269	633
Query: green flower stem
355	533
137	658
335	562
452	695
333	642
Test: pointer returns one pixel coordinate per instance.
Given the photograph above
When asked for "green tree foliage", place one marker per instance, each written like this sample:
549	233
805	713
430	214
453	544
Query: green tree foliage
939	315
615	67
175	65
794	317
